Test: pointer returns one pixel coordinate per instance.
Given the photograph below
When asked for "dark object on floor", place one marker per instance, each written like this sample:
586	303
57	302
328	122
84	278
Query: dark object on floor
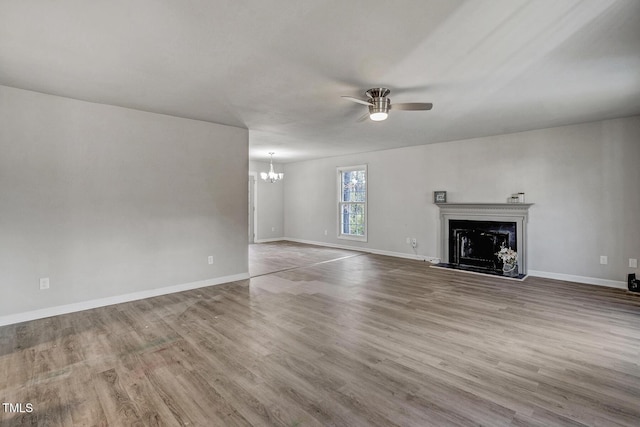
634	284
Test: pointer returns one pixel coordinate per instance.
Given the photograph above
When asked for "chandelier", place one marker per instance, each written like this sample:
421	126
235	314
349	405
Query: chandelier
271	176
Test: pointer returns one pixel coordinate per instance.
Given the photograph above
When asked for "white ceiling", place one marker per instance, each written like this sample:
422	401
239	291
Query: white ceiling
279	67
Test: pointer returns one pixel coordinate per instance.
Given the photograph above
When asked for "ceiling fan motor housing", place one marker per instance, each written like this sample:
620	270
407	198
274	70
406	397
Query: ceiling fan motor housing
380	105
378	97
377	92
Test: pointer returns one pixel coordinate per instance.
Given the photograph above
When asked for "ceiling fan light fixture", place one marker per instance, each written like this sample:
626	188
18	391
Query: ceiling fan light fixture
379	116
379	111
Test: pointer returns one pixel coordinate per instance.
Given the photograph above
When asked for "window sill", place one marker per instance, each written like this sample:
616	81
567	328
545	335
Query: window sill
355	238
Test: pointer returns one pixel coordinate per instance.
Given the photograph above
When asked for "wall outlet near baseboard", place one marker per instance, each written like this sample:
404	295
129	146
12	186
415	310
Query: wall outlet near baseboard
44	283
633	263
604	259
210	259
414	242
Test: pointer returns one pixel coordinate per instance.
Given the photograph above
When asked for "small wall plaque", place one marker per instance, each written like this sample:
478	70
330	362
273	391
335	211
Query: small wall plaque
439	197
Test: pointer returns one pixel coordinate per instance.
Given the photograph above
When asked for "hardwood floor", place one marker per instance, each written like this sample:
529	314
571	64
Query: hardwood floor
280	256
360	340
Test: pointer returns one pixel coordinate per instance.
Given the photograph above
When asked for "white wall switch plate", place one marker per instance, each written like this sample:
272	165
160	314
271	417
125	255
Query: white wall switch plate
210	259
44	283
633	263
604	259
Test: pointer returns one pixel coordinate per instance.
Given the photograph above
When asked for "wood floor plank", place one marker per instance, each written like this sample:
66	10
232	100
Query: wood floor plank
117	405
322	336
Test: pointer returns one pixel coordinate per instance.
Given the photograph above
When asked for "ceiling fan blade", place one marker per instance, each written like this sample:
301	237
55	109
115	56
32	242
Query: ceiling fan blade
412	106
363	118
359	101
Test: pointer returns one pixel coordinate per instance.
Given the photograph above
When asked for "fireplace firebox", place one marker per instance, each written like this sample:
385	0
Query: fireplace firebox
475	243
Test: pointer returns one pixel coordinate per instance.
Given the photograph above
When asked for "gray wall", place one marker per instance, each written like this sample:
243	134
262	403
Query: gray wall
270	221
583	179
108	201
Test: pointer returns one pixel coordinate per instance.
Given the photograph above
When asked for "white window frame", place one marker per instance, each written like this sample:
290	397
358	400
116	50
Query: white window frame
340	171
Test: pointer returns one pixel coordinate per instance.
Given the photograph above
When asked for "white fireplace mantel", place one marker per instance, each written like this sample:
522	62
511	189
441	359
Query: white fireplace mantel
506	212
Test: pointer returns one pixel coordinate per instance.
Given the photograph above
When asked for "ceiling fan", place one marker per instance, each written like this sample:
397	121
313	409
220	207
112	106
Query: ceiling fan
379	104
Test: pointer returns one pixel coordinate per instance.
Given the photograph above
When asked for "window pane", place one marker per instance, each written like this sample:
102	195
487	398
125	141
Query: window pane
352	219
353	186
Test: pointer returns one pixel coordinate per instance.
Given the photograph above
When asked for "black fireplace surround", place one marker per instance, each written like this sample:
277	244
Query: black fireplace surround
474	244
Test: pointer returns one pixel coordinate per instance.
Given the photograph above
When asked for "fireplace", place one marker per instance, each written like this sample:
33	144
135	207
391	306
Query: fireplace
475	243
472	233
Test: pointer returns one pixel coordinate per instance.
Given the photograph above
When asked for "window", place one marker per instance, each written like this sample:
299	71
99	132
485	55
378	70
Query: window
352	203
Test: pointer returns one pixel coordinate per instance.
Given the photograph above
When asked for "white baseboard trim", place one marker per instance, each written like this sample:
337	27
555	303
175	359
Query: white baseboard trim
545	274
118	299
367	250
275	239
579	279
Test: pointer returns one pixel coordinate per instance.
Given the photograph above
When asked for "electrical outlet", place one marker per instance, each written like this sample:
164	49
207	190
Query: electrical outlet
633	263
604	259
44	283
414	242
210	259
